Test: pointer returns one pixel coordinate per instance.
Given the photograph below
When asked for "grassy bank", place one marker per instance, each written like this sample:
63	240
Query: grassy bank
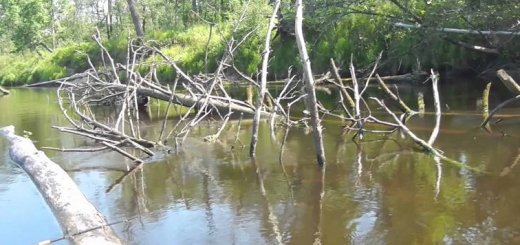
358	36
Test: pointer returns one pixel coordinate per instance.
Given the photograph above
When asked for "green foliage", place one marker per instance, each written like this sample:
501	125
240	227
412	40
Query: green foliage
284	57
339	30
188	50
27	20
23	69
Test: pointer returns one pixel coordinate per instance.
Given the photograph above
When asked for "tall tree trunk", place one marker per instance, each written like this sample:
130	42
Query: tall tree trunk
311	104
263	81
135	18
194	6
109	18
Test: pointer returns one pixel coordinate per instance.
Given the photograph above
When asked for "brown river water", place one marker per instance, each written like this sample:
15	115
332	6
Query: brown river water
383	190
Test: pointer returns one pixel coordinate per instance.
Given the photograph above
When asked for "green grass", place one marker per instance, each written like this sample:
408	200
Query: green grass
359	36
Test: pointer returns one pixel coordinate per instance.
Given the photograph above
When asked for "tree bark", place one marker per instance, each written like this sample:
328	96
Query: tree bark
109	18
311	104
135	19
187	100
437	105
263	81
79	219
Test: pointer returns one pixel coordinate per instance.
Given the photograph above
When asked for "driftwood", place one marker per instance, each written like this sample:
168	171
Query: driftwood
79	219
57	82
4	91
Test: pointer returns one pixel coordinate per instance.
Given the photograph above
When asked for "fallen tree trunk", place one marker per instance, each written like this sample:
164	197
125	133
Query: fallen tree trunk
461	31
57	82
4	91
414	76
80	220
190	100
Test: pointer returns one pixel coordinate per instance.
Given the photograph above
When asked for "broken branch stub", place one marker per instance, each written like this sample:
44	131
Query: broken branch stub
512	86
508	81
79	219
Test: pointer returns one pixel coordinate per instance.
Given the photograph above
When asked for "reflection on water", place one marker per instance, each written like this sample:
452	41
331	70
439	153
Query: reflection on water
378	191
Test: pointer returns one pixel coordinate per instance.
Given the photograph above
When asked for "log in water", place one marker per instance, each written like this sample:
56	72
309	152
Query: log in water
79	219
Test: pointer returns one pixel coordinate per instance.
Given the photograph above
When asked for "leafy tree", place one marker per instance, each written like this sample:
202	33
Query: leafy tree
26	22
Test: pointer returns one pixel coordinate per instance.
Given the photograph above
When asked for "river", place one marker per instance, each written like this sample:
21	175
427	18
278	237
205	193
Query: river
381	191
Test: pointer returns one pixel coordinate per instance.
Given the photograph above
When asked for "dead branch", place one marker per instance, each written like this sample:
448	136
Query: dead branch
509	82
512	86
311	104
394	97
421	142
437	105
485	104
342	87
263	81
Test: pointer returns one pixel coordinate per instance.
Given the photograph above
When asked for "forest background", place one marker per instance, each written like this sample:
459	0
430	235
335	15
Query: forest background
43	40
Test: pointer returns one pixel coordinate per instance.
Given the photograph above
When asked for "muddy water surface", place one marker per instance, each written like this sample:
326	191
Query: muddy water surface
380	191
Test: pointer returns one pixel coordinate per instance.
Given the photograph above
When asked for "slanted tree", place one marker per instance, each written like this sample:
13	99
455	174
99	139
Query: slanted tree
135	18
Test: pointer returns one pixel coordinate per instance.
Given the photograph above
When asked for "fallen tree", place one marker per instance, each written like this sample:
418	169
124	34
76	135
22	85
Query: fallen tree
4	91
80	220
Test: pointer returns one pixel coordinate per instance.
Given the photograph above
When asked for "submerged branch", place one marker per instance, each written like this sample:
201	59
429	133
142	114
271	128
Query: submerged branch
421	142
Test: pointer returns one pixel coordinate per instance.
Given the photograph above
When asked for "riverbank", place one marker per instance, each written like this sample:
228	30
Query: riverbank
199	48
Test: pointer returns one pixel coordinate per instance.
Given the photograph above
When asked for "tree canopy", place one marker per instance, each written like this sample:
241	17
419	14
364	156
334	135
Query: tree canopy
335	29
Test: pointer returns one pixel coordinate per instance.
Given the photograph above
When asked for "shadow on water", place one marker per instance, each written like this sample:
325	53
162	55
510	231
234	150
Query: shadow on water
382	190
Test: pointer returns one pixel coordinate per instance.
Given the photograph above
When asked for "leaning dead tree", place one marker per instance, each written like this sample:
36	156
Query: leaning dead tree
4	91
80	220
263	81
311	101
